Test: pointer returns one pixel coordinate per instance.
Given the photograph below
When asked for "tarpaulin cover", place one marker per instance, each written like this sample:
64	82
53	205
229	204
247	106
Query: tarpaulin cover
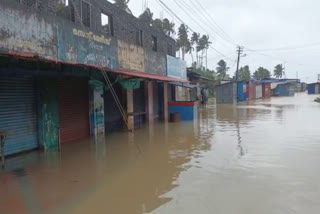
130	83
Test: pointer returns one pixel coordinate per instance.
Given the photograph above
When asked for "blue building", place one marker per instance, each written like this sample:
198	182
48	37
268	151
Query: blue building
314	88
286	89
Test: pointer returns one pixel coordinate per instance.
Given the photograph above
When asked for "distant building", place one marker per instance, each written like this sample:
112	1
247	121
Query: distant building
285	89
314	88
226	93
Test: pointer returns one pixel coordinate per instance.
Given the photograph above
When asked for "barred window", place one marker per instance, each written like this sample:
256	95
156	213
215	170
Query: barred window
86	14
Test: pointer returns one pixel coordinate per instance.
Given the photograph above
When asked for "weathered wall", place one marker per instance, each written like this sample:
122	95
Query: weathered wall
155	62
26	32
131	57
76	44
40	32
125	25
176	68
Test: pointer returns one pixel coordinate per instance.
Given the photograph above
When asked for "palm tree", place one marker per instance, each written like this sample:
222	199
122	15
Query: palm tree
147	16
278	71
182	41
195	42
222	69
123	4
203	46
189	49
168	27
207	43
157	23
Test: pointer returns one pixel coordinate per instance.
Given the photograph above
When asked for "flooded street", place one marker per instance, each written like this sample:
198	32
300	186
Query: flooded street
261	157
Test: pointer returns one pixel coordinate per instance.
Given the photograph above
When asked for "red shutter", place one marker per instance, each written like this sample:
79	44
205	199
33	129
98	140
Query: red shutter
73	109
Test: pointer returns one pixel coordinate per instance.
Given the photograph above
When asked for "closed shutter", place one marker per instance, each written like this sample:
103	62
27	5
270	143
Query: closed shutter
18	114
73	109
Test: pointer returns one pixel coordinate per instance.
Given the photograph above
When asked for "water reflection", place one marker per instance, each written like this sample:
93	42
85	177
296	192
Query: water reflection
256	157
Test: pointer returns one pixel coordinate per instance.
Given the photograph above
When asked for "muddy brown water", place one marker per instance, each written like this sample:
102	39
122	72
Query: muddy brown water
257	157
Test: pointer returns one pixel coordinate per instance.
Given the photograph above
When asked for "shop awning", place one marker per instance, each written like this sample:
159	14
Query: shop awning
148	76
123	72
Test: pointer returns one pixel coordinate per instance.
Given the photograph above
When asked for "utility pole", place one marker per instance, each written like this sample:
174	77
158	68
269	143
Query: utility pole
240	51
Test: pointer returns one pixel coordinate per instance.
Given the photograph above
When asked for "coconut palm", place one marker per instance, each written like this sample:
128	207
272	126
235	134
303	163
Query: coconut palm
278	71
183	41
195	43
222	69
189	49
203	46
157	23
168	27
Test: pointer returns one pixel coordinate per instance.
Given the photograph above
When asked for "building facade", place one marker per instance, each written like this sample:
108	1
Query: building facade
52	58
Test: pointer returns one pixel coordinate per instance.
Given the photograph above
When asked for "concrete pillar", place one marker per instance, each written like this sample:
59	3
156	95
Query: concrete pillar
165	102
130	109
149	105
96	109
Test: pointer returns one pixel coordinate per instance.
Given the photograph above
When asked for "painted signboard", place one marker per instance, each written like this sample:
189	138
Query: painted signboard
86	47
26	32
176	68
131	57
155	63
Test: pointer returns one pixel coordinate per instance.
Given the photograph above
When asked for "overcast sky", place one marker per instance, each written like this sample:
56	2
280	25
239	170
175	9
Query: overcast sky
256	25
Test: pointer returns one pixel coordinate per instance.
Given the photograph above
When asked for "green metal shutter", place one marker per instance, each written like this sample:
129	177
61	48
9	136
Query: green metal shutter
18	114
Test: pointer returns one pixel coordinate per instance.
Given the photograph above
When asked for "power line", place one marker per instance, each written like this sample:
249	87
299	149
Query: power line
164	5
196	12
215	22
287	48
186	6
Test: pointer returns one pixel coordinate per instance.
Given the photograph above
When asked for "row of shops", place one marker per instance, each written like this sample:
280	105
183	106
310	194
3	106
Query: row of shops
46	109
233	92
53	86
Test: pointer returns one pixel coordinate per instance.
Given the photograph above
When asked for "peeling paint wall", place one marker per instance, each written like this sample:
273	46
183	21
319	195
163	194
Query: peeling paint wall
26	32
131	57
87	47
155	63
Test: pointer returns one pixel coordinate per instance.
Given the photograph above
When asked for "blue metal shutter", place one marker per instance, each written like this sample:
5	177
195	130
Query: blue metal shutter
18	114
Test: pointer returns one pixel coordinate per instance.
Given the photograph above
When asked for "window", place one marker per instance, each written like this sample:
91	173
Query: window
154	43
86	14
72	12
169	50
107	23
66	3
139	38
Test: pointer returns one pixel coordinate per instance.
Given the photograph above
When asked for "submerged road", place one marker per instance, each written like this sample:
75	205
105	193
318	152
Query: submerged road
257	157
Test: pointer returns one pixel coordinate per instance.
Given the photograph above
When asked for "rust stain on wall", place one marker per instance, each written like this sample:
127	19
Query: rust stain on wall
131	57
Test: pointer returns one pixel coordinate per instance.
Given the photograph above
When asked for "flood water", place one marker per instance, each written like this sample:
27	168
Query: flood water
257	157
